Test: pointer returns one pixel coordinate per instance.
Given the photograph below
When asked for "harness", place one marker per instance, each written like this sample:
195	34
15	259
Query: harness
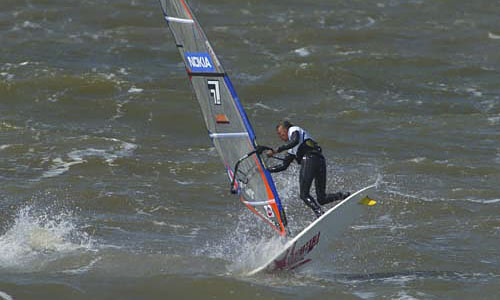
306	144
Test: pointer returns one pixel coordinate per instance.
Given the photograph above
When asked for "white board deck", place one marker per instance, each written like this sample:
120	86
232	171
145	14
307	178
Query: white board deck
314	240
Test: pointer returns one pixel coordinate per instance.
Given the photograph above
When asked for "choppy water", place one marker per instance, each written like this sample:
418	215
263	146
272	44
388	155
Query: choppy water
110	187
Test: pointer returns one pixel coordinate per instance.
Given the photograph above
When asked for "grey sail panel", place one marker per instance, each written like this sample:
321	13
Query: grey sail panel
225	118
196	51
219	110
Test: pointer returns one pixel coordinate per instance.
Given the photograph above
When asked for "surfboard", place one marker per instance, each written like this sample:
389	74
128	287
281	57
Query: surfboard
306	248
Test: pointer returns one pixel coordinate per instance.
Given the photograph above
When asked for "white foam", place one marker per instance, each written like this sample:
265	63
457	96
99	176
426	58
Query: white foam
400	280
474	92
109	76
189	182
37	236
119	110
31	25
343	94
486	201
303	52
60	167
253	254
5	296
304	66
160	223
264	106
493	36
365	295
110	155
346	53
5	125
123	71
83	269
134	90
7	76
247	250
402	295
160	207
365	227
371	22
417	160
494	120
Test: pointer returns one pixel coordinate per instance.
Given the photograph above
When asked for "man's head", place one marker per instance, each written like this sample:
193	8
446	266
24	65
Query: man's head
282	130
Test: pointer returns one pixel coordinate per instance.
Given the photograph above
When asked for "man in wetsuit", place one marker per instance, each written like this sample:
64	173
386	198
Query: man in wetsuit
307	153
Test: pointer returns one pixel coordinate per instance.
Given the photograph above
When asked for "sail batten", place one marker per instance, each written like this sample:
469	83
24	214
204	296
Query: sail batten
228	135
225	118
179	20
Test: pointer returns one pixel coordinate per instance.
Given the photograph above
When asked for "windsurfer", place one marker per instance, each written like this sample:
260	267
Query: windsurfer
307	153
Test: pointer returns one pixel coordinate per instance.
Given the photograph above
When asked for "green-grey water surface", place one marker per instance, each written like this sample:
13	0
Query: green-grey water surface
110	187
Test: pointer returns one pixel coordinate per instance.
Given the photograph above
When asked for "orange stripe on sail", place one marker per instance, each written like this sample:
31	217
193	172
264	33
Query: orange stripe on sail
187	9
270	195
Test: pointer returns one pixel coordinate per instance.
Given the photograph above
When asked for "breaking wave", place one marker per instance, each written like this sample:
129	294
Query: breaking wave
37	237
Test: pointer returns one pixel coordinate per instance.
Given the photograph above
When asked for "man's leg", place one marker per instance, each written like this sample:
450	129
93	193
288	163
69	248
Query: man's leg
320	180
320	184
307	174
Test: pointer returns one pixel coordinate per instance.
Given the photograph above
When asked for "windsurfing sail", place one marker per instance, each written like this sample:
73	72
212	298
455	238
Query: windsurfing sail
227	123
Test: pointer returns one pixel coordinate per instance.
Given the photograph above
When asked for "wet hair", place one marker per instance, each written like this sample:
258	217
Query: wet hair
285	124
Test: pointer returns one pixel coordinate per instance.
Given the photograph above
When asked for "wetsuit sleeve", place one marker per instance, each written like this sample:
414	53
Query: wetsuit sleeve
294	141
284	165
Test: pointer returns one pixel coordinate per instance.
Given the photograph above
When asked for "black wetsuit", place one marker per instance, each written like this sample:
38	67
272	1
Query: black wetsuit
313	167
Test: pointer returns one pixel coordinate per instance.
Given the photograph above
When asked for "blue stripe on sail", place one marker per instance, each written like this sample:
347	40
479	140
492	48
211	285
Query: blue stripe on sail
252	138
241	110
